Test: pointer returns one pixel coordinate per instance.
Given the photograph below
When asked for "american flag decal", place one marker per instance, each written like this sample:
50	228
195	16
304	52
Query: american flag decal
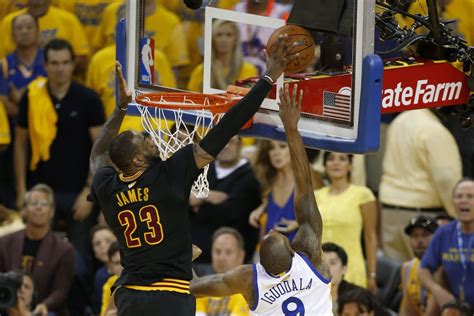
337	106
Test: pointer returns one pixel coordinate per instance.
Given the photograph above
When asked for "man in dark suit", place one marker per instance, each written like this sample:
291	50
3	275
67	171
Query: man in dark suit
38	251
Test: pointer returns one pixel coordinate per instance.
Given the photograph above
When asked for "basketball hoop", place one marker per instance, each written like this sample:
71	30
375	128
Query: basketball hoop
176	119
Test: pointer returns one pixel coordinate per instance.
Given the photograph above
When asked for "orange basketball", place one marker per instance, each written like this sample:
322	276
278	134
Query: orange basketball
304	49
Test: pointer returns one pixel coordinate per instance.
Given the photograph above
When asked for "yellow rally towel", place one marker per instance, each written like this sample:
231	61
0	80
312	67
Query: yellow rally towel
42	120
5	138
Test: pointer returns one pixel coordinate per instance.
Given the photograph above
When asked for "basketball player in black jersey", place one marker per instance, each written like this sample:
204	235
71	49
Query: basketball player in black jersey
145	200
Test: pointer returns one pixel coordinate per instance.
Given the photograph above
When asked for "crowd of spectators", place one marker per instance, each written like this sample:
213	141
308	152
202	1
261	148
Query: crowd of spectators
410	206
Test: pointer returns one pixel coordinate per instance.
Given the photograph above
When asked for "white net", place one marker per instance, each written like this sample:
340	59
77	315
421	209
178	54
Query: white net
174	129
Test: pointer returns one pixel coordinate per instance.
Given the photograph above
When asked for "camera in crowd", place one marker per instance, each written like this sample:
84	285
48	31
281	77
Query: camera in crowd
10	282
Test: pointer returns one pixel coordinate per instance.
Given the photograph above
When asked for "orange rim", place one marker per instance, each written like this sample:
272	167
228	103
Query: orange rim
186	101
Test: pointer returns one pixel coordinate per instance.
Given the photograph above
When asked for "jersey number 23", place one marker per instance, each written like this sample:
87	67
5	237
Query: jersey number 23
148	214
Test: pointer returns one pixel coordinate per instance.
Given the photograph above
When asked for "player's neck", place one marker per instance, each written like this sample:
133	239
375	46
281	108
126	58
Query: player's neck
339	185
27	54
36	232
133	170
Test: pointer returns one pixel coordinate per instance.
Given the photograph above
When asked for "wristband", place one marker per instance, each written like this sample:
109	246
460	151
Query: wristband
268	79
122	109
373	275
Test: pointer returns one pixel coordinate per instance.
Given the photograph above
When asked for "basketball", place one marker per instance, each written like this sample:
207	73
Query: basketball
305	47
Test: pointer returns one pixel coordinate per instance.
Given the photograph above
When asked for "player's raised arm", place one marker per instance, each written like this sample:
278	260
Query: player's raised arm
308	237
212	144
99	154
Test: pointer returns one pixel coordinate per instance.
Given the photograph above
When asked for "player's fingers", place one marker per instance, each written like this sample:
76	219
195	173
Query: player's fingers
282	96
118	67
300	100
293	95
282	92
293	57
118	71
282	101
282	45
285	94
282	50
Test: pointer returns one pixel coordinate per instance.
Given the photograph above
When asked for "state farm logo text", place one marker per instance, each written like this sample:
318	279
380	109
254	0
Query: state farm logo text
423	93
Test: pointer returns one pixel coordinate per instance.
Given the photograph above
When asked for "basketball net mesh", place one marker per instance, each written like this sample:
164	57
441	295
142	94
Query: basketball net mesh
171	130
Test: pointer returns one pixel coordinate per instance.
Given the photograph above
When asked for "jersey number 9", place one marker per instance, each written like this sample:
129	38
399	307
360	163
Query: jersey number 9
293	306
148	214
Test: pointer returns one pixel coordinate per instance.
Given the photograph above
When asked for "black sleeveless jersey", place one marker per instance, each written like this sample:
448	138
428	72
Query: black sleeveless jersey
148	213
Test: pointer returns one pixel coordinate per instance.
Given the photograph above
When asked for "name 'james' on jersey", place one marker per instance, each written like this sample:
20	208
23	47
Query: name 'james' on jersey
148	213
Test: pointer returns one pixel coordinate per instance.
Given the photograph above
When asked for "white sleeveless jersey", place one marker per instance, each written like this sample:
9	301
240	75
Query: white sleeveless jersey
302	291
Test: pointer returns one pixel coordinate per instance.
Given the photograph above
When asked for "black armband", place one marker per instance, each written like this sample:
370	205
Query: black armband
235	118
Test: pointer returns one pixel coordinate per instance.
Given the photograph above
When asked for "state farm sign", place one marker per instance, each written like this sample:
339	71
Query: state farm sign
424	92
425	84
421	86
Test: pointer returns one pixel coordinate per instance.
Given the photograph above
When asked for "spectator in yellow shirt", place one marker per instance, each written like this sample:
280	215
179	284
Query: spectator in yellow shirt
116	269
89	12
105	35
228	64
172	5
227	254
160	24
101	78
349	211
53	23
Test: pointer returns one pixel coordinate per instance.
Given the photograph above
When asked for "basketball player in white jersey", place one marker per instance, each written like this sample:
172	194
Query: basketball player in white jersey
291	278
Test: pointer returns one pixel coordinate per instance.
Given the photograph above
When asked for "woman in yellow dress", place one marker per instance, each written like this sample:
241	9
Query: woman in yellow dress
348	210
228	63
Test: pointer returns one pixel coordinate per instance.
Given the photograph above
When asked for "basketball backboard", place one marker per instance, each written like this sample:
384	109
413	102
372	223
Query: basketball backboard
341	108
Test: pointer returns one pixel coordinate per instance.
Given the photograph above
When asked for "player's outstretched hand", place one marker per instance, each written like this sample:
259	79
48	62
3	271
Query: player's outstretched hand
278	60
290	106
125	95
